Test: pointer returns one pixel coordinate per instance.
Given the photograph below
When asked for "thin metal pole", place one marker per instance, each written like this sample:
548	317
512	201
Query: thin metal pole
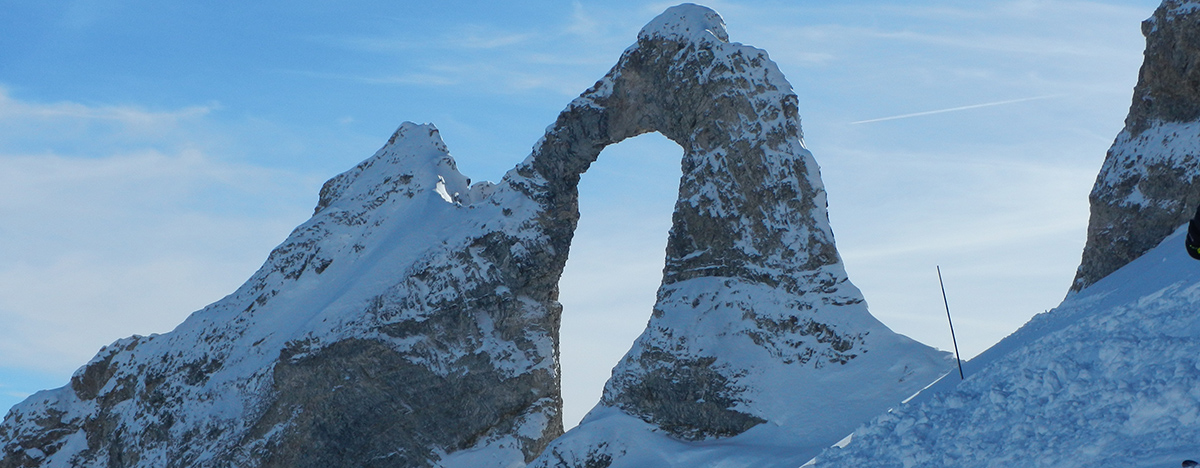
948	319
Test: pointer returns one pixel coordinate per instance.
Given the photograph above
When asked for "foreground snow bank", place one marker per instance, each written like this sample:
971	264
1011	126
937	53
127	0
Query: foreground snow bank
1109	378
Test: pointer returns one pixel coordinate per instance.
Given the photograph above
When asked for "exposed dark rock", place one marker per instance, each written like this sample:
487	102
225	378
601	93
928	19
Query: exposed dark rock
345	404
689	398
1168	88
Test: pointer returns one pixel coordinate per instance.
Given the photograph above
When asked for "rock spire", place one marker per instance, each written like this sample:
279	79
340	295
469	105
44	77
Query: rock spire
1147	185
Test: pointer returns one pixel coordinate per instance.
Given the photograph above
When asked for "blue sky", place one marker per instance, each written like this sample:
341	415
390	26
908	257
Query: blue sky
152	153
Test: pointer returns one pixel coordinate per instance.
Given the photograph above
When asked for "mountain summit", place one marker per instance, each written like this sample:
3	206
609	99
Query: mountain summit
413	321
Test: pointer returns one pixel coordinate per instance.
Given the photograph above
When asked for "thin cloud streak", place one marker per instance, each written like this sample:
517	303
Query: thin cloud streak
955	109
12	109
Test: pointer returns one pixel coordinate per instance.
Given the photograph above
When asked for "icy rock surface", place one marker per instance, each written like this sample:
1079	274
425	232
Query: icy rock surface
413	321
1147	185
1109	378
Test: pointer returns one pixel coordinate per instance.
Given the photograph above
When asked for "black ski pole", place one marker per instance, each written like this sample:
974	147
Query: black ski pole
948	319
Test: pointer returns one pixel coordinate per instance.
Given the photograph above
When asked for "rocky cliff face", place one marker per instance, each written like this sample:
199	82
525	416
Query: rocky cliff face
1146	187
413	320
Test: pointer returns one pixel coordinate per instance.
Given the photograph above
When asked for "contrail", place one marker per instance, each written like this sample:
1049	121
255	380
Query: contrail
953	109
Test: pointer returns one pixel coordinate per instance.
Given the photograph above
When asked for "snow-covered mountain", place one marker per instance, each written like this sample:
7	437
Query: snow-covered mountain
1111	377
413	320
389	329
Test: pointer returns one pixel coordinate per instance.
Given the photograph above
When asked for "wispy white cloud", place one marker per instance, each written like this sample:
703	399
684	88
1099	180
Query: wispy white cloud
21	120
581	23
480	76
997	42
99	246
493	58
18	395
419	79
465	37
434	76
126	115
481	40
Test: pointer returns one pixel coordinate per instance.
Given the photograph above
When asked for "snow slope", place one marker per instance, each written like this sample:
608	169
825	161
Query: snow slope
1111	377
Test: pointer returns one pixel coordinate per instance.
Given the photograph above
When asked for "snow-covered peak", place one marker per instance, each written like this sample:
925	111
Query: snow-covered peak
414	159
686	22
758	338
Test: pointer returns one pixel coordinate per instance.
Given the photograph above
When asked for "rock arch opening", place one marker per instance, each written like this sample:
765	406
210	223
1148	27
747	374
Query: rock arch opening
615	265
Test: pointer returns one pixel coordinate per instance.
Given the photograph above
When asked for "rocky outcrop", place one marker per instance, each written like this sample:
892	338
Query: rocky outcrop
1147	185
413	321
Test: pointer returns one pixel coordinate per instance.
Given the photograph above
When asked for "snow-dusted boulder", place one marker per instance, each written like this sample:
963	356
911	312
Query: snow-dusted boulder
1148	185
413	320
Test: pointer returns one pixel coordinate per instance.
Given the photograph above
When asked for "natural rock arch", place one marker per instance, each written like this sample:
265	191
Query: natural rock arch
740	132
751	205
413	321
750	262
